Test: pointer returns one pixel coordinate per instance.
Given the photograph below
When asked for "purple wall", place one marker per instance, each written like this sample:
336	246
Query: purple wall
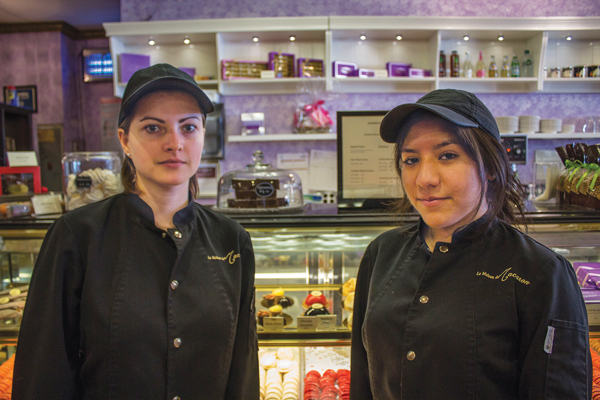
143	10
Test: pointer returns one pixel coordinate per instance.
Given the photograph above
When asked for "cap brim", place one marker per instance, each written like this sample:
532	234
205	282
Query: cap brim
393	120
168	83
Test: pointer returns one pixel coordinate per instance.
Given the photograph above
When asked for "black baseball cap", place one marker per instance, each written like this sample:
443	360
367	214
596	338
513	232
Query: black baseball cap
161	77
458	106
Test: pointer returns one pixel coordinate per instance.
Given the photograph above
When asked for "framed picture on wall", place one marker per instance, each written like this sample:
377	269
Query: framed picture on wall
27	96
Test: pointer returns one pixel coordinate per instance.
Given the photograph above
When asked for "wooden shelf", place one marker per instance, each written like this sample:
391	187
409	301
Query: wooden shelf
282	137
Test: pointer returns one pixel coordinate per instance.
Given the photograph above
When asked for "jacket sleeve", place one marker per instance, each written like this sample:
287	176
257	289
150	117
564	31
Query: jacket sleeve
47	362
554	356
360	385
243	382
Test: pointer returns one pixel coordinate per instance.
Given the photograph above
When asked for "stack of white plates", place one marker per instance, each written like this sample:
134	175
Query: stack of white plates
550	125
507	124
529	123
568	128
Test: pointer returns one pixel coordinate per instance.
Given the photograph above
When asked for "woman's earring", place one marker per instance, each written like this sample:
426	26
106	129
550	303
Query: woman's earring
129	155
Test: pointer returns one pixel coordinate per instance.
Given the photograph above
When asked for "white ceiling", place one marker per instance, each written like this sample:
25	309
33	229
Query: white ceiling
82	14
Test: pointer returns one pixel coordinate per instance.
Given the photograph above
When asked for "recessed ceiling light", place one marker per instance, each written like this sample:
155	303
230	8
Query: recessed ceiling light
362	36
186	40
151	42
255	39
292	38
501	38
398	37
569	37
466	37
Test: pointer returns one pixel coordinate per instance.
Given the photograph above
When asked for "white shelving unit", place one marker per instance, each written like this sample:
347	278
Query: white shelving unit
282	137
337	39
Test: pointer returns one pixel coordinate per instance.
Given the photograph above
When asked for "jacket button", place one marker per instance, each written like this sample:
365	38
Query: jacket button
423	299
164	235
177	343
174	285
444	249
177	234
176	398
410	355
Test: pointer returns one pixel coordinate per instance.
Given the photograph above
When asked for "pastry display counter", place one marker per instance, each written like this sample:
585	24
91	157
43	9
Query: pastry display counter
298	255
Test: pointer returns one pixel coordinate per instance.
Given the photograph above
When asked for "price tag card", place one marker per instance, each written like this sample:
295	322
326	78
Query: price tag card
326	322
47	204
268	74
22	158
273	323
307	323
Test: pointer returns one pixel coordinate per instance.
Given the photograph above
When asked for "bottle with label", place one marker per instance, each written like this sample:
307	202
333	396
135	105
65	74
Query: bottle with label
514	67
467	67
480	66
454	65
442	68
493	70
527	65
505	71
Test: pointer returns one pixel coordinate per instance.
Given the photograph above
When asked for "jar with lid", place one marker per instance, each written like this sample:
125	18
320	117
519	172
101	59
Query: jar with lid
260	188
580	71
89	177
555	72
567	72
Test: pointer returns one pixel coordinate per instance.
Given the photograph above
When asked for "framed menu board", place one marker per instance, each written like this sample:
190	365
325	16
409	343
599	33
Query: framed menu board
366	173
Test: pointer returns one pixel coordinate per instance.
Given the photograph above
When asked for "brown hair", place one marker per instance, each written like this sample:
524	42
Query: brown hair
502	192
128	174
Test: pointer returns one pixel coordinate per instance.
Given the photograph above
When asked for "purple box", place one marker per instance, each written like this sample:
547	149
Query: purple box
309	67
397	69
190	71
416	73
343	69
283	64
366	73
588	273
129	63
591	297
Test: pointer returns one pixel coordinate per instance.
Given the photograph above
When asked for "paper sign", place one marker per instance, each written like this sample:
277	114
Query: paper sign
322	173
273	323
266	74
307	323
326	322
47	204
22	159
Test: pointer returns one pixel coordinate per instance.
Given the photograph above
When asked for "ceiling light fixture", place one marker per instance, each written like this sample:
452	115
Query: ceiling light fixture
151	42
255	39
362	36
398	37
569	37
292	38
466	38
500	38
186	40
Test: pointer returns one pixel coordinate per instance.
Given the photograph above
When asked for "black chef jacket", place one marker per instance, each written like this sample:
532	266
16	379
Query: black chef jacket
120	309
495	317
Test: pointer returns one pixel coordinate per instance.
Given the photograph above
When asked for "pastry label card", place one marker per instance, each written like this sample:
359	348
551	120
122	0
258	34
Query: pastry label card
326	322
273	323
22	159
307	323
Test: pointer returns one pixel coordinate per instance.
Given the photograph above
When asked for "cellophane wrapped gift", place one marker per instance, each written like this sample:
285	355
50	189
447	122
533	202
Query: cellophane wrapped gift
311	115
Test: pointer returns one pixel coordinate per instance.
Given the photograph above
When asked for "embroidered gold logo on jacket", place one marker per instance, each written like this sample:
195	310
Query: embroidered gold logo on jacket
231	257
504	276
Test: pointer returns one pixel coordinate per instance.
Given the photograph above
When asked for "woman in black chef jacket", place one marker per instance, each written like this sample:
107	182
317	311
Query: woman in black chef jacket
461	305
147	294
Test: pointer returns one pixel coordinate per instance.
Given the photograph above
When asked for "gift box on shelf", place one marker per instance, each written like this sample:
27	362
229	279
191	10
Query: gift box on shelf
20	180
239	69
366	73
343	69
282	64
396	69
309	68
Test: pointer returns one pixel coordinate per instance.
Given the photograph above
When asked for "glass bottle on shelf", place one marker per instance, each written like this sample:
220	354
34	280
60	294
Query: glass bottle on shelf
442	66
527	65
454	65
467	66
493	70
480	66
514	67
505	71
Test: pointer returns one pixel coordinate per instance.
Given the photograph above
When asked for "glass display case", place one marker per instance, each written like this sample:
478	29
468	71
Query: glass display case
303	260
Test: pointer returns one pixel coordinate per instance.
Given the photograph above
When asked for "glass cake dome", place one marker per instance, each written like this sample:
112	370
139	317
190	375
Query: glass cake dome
260	188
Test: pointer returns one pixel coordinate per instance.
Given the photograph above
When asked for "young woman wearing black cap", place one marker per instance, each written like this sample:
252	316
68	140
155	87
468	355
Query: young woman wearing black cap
145	295
462	305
